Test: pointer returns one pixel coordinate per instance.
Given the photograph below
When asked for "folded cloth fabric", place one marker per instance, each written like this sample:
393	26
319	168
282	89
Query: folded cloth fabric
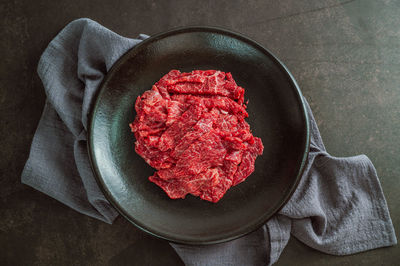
338	208
71	68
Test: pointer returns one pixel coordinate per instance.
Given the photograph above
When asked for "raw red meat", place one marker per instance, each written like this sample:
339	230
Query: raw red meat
191	128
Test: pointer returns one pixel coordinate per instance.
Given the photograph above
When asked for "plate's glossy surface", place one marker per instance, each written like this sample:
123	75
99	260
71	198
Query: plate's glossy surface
277	116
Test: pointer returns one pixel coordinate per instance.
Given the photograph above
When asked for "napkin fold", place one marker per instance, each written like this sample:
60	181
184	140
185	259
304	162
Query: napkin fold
71	69
338	208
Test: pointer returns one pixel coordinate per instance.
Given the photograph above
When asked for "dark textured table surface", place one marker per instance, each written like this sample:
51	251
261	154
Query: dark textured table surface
344	55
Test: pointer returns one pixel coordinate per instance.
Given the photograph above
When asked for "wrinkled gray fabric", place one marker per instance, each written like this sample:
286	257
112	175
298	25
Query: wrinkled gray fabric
71	68
338	207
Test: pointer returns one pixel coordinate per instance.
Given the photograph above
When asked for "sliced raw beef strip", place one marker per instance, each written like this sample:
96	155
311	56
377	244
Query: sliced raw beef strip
191	128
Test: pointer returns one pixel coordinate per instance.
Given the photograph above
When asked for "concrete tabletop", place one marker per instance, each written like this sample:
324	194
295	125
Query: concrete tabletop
344	55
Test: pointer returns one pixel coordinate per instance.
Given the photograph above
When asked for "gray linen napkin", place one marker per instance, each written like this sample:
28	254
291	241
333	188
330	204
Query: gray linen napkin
338	207
71	68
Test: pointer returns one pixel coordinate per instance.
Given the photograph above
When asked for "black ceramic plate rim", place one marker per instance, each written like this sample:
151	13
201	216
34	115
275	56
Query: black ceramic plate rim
90	144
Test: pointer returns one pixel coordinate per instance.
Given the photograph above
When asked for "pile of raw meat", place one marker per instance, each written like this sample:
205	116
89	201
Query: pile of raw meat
191	128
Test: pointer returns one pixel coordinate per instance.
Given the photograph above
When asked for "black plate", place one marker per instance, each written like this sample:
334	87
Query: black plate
277	116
